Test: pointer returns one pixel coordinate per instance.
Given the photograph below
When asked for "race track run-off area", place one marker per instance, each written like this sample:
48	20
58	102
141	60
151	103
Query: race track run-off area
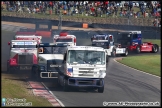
122	84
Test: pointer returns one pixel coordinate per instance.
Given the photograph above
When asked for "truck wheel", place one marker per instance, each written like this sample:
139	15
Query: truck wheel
8	68
126	53
32	73
101	89
107	58
58	83
38	76
113	53
155	48
138	49
65	85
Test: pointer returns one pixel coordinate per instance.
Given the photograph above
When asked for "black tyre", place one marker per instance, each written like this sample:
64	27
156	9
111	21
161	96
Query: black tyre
113	53
8	68
126	52
138	49
107	58
32	73
65	85
155	48
101	89
38	76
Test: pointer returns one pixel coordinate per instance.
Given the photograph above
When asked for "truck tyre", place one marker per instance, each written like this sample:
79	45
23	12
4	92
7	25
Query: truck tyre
38	76
65	85
101	89
155	48
32	73
138	49
113	53
126	53
8	68
107	58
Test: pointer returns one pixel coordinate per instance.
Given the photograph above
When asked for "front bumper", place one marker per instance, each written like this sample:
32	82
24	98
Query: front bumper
49	74
85	82
21	67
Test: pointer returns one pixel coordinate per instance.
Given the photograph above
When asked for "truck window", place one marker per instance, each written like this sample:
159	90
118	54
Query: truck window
135	36
64	40
23	46
59	50
100	38
86	57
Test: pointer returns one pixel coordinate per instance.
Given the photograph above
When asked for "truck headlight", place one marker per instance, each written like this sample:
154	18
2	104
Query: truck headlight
102	71
42	68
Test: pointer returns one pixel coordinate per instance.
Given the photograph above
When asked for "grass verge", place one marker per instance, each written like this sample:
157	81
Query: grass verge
14	87
154	41
147	63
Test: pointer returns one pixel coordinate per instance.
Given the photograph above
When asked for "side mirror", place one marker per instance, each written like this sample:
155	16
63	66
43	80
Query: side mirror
8	43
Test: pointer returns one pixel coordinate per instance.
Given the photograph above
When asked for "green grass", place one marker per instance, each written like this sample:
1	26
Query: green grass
154	41
147	63
20	89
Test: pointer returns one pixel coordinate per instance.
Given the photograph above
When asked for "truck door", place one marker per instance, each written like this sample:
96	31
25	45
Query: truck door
135	39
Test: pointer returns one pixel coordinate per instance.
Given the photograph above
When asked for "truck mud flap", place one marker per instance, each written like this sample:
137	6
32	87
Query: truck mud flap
49	74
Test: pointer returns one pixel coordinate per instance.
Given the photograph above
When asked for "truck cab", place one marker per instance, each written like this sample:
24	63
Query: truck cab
23	54
133	41
64	37
84	66
103	40
106	41
130	38
50	60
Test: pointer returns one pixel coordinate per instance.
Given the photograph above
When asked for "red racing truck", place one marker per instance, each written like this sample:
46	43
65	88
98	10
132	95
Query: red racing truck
133	41
65	38
23	54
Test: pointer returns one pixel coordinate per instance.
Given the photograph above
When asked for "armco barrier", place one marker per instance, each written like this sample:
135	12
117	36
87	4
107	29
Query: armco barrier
80	34
79	24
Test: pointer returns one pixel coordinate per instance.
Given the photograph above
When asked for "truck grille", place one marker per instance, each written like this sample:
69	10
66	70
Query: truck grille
25	59
54	66
86	71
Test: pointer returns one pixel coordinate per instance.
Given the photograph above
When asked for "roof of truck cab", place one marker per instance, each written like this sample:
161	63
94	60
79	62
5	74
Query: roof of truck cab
85	48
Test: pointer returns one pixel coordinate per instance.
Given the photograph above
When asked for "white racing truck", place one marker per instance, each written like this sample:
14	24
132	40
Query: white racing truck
84	66
29	37
23	54
74	66
64	37
106	41
50	58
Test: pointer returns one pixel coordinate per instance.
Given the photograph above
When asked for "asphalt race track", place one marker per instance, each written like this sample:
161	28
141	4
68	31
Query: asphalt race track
121	83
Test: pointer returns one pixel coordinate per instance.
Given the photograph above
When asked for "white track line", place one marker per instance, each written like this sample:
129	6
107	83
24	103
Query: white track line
53	95
136	69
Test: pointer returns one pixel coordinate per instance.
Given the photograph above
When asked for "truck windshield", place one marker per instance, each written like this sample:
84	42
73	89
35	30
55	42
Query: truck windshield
64	40
53	50
23	46
99	38
86	57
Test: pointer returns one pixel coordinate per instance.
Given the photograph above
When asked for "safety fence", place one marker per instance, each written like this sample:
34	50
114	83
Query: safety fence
125	26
